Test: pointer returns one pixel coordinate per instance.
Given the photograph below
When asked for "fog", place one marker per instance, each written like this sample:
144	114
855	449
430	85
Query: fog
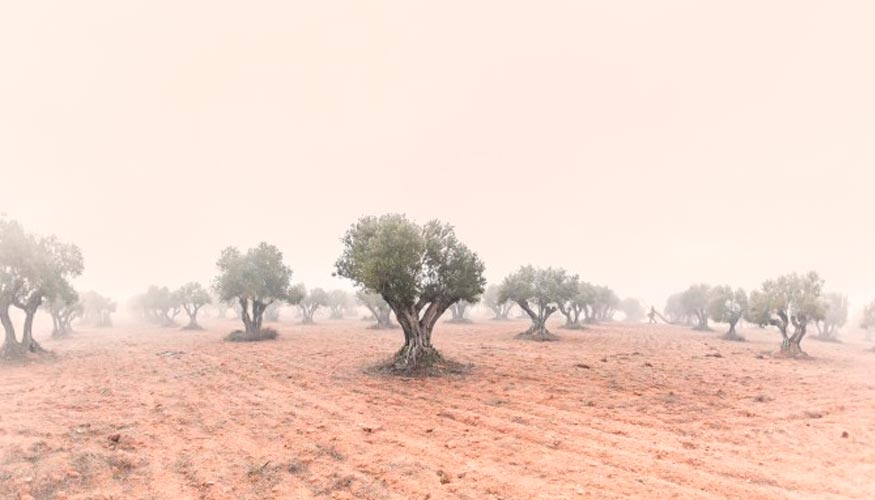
643	145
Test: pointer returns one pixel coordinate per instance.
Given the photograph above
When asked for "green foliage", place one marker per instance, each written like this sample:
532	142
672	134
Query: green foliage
727	305
257	275
194	294
791	299
409	264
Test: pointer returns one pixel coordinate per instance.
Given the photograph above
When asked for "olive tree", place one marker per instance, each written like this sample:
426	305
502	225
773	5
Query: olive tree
419	270
254	280
459	311
789	300
538	292
338	302
63	309
308	301
192	296
600	302
675	311
694	302
835	317
97	310
33	269
728	306
575	304
501	310
378	308
160	305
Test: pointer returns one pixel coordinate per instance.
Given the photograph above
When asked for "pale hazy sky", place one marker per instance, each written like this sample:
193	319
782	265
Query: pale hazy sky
644	145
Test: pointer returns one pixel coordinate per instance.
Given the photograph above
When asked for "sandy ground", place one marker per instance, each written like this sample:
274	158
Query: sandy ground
616	411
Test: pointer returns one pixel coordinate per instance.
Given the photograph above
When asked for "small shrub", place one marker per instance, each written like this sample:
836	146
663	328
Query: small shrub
241	336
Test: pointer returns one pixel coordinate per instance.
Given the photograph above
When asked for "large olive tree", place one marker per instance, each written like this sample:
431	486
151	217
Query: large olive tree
419	270
539	292
789	300
254	280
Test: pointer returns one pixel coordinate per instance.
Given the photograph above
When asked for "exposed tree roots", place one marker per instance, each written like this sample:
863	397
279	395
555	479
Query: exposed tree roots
418	362
192	327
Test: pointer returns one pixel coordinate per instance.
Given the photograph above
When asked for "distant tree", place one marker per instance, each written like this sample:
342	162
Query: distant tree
33	270
695	301
221	308
604	304
192	296
676	312
378	307
272	313
97	309
161	306
632	309
309	302
420	271
868	321
64	308
835	317
459	311
254	280
790	299
538	292
575	303
501	310
338	301
728	306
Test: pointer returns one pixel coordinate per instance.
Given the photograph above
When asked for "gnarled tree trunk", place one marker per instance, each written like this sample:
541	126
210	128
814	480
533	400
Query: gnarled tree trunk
11	348
538	330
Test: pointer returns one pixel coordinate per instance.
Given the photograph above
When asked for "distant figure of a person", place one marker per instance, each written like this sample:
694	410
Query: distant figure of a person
652	316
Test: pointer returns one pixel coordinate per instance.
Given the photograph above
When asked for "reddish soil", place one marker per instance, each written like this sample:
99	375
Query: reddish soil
615	411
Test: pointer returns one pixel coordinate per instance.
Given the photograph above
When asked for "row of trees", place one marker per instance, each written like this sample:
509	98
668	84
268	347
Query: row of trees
541	292
791	300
